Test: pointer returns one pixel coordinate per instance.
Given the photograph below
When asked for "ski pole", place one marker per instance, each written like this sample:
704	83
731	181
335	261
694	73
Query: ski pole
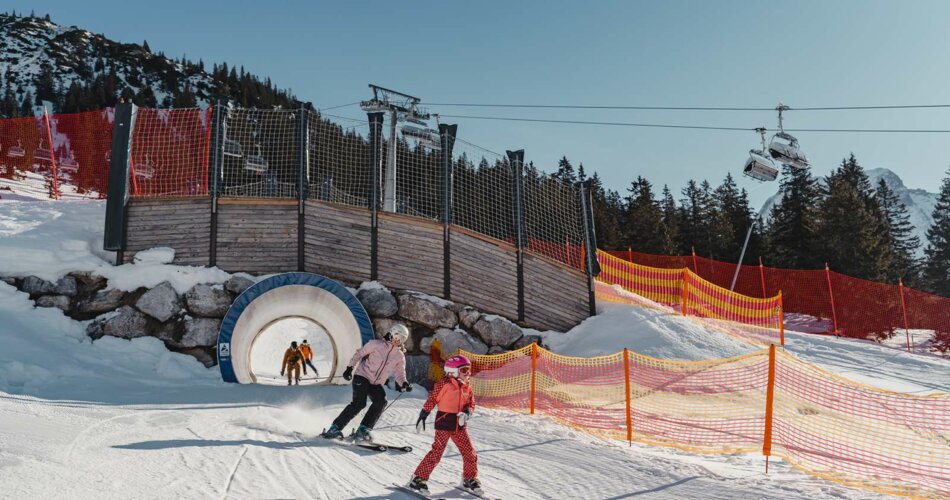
390	404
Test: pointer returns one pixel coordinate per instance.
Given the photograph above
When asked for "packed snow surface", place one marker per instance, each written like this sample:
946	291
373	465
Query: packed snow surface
128	419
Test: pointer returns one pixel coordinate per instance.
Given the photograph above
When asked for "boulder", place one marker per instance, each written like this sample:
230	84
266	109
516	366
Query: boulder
417	369
420	310
425	344
103	301
454	339
8	280
200	332
378	302
127	323
237	284
88	283
66	286
495	330
527	340
204	355
170	332
208	301
468	317
161	302
60	301
37	286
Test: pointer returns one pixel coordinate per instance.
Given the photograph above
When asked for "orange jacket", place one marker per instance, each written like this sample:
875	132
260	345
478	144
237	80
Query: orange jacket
306	351
452	396
292	358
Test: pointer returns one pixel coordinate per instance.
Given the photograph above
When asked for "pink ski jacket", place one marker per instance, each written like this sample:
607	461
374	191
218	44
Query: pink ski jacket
379	359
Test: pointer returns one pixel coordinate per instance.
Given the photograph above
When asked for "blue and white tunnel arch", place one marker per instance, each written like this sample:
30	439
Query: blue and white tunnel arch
302	295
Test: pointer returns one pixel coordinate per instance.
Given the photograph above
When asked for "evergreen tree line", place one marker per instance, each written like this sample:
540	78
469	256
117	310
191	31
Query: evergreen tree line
860	230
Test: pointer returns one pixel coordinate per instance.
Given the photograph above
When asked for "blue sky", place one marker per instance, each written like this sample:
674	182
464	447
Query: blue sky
662	53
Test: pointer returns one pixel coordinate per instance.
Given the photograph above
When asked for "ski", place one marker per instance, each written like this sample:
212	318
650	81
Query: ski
413	492
390	447
475	493
370	446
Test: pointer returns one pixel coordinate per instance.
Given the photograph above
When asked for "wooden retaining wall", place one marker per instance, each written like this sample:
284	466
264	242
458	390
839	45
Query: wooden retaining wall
337	241
257	236
260	236
180	223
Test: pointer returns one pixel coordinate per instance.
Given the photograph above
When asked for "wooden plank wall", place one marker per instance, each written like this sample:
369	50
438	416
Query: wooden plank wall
484	273
410	253
257	236
337	241
180	223
555	295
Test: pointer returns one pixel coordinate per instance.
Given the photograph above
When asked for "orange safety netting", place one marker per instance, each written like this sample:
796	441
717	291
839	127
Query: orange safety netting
659	285
821	423
170	149
829	302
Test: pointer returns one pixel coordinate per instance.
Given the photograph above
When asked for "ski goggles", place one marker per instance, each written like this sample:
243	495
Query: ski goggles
465	370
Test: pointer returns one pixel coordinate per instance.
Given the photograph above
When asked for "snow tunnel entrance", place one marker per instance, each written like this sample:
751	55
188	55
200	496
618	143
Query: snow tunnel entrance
251	330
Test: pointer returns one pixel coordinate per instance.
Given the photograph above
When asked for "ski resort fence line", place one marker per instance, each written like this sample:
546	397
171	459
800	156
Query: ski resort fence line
845	306
694	296
765	402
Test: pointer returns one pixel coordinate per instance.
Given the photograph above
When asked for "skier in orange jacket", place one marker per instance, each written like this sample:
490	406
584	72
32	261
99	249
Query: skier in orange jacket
307	354
456	401
291	363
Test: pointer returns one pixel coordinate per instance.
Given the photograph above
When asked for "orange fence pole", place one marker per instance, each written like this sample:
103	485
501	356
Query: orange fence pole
626	385
834	315
583	255
904	310
769	395
781	319
52	155
534	360
685	297
695	265
630	254
762	274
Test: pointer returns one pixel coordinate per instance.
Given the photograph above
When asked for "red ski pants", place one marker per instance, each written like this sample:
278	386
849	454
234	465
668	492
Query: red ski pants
460	438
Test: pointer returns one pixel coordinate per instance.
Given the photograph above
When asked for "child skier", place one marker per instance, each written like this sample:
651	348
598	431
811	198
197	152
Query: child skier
453	395
376	361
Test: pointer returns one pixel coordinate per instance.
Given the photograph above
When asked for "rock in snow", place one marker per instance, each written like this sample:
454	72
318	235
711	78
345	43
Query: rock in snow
208	301
420	310
60	301
201	332
127	324
102	301
454	339
497	331
161	302
378	302
37	286
237	284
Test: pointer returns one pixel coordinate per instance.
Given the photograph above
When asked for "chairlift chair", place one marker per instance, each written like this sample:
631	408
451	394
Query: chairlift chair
68	164
16	151
426	136
256	163
42	154
145	170
759	166
232	148
784	147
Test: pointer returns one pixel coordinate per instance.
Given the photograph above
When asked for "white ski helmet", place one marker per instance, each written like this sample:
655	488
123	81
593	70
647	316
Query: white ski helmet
398	331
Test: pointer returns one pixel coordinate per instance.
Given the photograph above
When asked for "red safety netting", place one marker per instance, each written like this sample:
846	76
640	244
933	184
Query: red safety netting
170	149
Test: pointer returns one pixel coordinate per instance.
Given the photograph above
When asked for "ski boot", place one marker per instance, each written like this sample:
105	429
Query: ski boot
362	434
333	432
419	485
473	485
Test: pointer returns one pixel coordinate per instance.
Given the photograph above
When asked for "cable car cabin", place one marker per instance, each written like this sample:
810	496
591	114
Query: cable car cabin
784	148
760	167
426	136
256	163
16	151
232	148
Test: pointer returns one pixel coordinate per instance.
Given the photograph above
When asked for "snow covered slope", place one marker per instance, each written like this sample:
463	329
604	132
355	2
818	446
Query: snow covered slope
128	419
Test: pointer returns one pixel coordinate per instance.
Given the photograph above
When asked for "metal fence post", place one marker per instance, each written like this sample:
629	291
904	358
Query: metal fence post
516	159
117	200
447	134
591	266
376	160
303	177
216	158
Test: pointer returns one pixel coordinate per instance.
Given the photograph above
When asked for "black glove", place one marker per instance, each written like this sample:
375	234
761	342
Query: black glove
348	373
423	415
282	373
405	387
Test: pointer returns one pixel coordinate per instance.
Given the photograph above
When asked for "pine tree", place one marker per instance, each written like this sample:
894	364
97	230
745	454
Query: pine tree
672	223
643	225
902	241
565	171
852	228
793	230
936	269
26	106
732	221
693	217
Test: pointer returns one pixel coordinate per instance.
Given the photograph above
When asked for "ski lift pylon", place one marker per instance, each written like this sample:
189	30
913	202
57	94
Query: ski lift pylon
759	166
784	146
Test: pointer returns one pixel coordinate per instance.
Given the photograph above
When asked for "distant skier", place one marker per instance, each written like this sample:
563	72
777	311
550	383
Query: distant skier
291	364
456	401
307	354
376	361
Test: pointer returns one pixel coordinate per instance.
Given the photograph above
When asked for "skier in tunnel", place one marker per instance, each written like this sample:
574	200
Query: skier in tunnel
375	362
291	364
307	354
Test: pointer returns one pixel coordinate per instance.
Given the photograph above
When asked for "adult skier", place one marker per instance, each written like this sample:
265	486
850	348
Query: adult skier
375	362
291	363
307	354
456	401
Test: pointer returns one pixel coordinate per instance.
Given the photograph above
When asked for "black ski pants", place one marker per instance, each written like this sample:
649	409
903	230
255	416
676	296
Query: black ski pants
361	390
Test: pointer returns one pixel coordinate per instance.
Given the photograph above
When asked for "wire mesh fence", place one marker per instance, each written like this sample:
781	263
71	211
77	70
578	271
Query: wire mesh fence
338	166
170	152
553	222
482	192
259	153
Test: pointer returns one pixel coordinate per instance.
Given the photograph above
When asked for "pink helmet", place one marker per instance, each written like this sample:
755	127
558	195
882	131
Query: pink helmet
454	364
